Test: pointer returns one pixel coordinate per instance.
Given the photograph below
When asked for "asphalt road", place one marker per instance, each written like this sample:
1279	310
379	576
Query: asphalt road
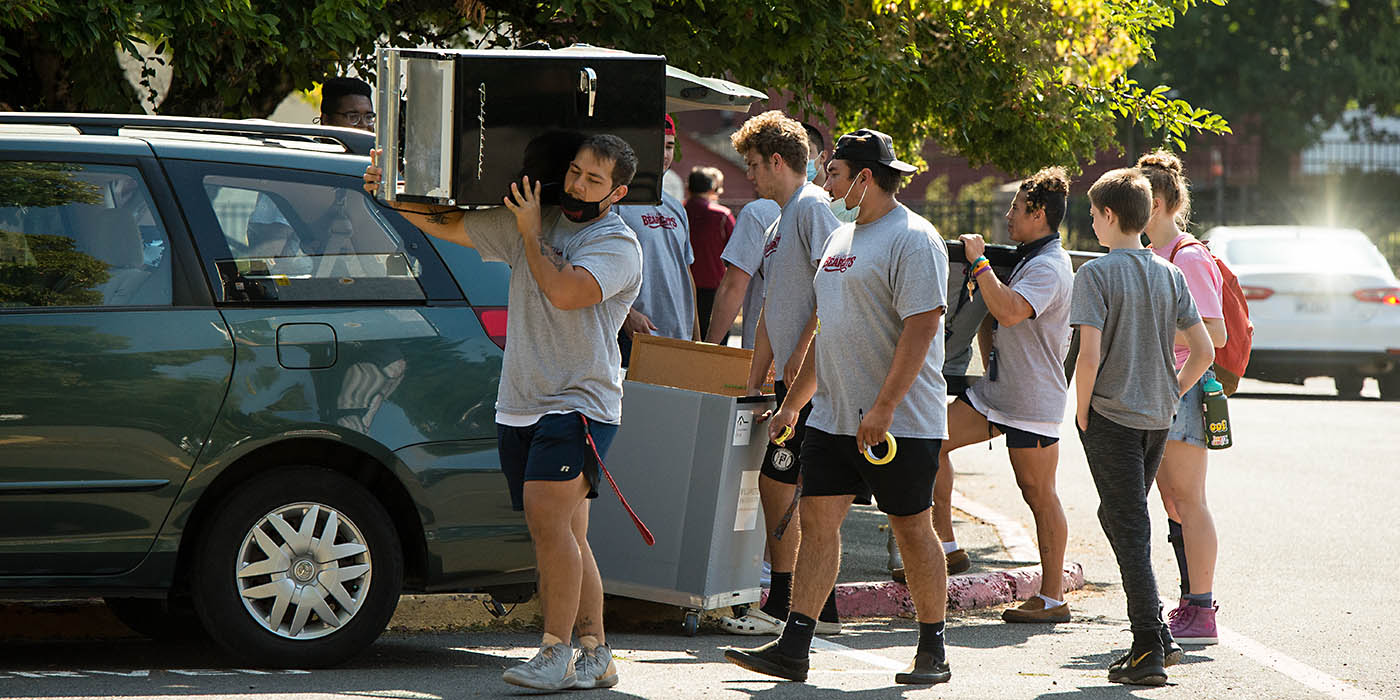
1306	505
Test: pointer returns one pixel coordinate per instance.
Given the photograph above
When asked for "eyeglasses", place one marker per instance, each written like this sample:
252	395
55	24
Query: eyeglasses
354	118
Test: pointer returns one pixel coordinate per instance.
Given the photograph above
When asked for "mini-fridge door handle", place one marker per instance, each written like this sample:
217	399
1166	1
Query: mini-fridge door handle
588	85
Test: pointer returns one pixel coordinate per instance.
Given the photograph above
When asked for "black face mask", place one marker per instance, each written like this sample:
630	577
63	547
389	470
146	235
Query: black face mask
579	211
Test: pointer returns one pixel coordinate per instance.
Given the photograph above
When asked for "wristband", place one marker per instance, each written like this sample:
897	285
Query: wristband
981	270
981	259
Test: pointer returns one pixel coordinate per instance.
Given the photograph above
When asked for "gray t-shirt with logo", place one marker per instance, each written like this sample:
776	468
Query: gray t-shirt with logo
666	297
745	251
871	278
1138	300
791	251
559	360
1031	387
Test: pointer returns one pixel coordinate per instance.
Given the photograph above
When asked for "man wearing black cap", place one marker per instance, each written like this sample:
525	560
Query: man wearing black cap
874	377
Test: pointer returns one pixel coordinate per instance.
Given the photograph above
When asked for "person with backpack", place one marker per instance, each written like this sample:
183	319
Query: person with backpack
1181	479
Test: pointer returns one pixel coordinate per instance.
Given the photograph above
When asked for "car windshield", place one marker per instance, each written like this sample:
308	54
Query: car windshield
1304	252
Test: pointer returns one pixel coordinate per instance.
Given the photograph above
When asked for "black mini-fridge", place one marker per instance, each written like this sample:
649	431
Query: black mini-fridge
458	126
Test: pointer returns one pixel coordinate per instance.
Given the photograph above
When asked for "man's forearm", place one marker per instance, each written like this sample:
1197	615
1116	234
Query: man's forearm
762	355
728	298
565	286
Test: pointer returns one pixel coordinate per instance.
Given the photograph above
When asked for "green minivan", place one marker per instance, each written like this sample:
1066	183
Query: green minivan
238	395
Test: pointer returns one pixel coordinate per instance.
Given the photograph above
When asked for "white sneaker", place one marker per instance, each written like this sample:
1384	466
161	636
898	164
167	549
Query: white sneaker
756	623
551	669
595	669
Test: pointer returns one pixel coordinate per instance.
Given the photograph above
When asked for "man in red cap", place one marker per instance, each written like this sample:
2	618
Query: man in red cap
666	304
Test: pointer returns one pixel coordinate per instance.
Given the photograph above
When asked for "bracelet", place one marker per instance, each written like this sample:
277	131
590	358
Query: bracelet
981	259
981	270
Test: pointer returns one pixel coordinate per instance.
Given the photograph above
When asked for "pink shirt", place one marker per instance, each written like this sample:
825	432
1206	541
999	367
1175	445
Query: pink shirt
1204	280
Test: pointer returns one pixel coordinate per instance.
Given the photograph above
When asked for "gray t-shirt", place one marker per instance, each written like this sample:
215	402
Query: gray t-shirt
791	252
559	360
1139	301
666	297
745	251
871	278
1031	387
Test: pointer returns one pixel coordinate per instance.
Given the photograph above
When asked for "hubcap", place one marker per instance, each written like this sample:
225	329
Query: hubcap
303	571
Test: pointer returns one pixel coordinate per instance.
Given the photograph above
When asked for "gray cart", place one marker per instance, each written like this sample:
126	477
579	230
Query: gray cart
688	464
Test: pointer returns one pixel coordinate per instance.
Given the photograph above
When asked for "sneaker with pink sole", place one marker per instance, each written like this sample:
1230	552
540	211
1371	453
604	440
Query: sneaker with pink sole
1192	624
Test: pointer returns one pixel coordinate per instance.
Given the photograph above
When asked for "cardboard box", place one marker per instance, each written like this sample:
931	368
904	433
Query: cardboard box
704	367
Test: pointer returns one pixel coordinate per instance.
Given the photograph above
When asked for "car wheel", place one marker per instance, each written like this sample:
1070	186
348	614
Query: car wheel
158	618
1349	385
300	568
1390	385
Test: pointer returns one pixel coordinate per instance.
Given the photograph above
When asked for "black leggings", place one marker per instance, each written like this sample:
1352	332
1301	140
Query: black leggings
1124	464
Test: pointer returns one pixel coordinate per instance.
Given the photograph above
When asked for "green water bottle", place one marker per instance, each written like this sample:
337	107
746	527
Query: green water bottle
1216	414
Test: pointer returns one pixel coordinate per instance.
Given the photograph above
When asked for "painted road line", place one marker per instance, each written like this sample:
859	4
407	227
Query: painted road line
1014	537
1289	666
858	655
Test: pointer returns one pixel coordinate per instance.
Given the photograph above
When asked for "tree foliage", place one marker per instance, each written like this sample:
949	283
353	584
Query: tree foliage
1015	83
1293	65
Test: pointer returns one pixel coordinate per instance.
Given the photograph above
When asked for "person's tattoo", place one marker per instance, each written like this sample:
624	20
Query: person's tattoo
437	217
586	625
551	255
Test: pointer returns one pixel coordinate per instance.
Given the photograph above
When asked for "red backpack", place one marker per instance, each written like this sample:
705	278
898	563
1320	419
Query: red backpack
1231	360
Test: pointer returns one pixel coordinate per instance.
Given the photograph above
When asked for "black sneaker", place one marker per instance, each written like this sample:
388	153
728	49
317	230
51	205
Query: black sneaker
1139	667
924	671
1172	653
769	661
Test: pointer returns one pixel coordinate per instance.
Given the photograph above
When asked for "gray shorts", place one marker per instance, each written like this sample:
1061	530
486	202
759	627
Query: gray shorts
1189	426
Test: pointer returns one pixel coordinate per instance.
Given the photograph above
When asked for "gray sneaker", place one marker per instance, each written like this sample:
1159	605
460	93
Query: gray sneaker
551	669
595	669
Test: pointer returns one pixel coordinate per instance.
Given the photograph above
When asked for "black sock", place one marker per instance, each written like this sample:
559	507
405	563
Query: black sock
1179	546
1147	641
796	641
828	613
1200	600
779	596
931	639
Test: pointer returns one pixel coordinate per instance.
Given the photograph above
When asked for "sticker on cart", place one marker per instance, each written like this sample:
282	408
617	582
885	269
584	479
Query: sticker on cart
746	517
743	427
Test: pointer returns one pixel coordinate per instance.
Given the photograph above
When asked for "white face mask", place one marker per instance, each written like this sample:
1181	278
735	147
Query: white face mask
838	206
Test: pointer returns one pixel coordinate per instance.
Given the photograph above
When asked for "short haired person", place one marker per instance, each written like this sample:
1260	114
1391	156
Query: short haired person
1022	395
1182	477
816	154
711	224
666	305
874	378
742	284
347	102
575	270
775	150
1128	306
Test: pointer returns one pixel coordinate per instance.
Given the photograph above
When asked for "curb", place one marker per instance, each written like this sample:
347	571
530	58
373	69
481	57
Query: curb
965	591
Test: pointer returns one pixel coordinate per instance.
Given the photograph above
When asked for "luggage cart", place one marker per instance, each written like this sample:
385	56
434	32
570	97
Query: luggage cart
688	463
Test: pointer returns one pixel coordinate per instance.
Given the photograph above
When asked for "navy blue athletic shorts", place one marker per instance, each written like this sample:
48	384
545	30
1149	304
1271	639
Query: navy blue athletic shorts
553	449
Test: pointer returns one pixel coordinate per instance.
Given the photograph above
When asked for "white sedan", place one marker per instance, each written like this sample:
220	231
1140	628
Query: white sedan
1324	302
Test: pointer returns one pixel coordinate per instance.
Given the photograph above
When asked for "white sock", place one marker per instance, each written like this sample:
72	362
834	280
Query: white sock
950	547
1050	602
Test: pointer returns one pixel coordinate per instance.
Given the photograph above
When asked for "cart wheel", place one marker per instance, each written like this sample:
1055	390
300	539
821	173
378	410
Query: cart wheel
692	622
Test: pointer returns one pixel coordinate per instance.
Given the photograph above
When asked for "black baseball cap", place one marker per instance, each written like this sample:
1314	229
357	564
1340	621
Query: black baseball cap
867	145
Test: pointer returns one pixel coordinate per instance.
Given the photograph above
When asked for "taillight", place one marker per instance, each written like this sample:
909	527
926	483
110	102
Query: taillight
493	320
1390	296
1256	293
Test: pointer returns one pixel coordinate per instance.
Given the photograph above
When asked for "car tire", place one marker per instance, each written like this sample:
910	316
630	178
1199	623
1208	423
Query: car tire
267	585
1349	385
158	618
1390	385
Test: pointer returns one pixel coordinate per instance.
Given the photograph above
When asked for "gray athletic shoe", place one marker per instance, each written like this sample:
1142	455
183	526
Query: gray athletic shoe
551	669
595	669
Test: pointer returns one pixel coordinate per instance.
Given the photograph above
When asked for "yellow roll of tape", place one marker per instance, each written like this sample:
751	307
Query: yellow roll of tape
889	455
783	437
